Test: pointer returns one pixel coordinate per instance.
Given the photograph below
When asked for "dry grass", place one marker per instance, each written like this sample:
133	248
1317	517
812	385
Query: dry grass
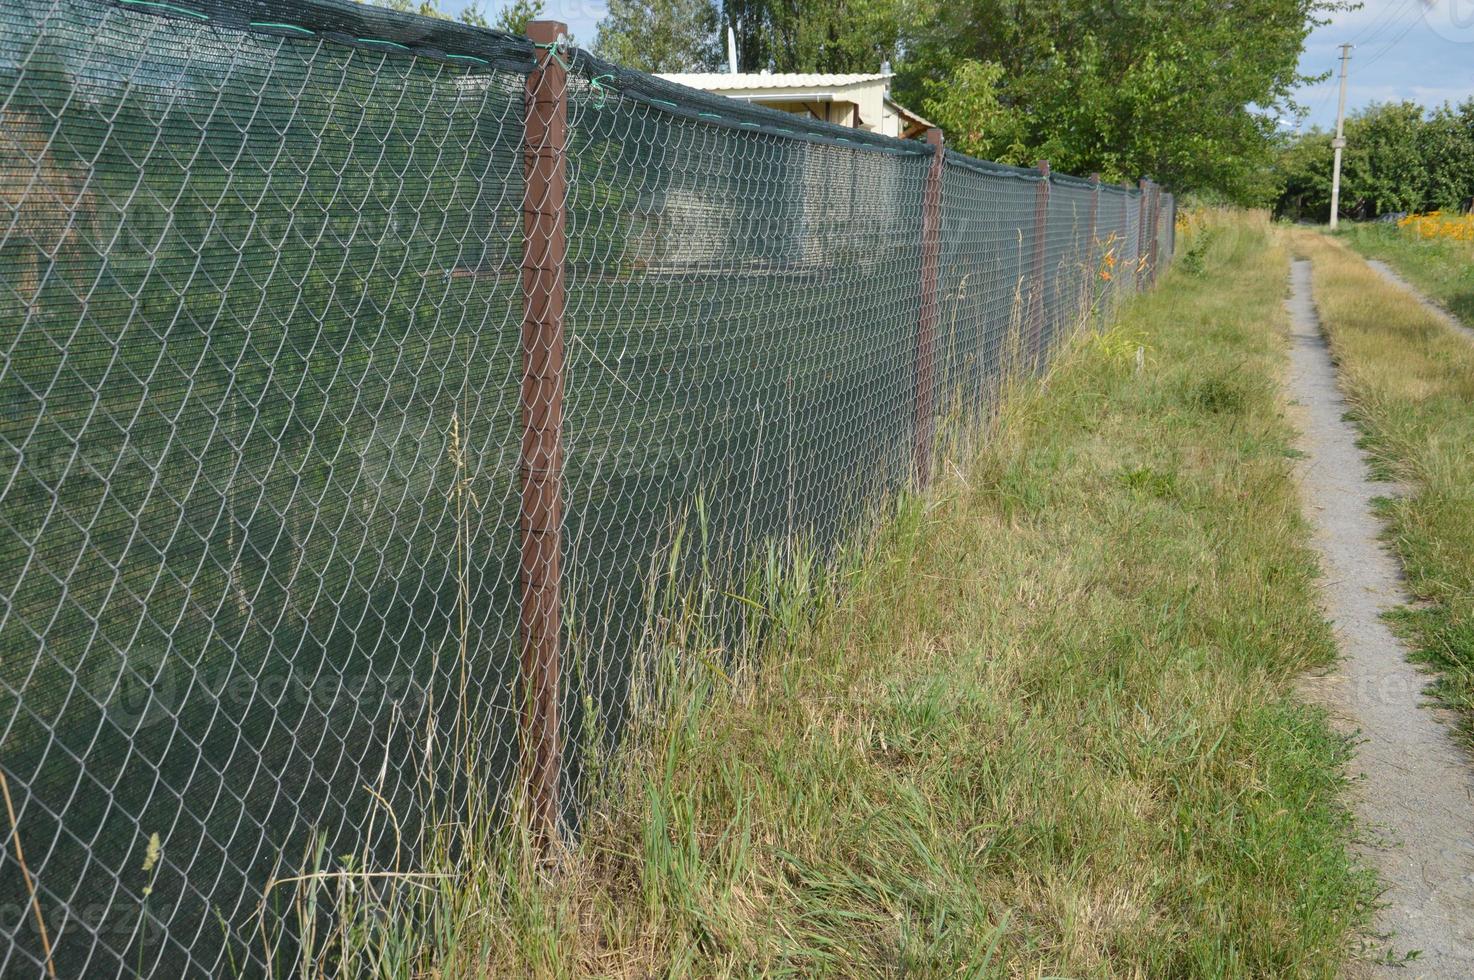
1410	380
1441	267
1043	726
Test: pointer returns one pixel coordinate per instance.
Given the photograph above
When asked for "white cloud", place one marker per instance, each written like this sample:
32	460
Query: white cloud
1402	52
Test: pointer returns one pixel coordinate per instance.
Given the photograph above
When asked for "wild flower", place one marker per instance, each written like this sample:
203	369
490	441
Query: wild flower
1108	257
1439	225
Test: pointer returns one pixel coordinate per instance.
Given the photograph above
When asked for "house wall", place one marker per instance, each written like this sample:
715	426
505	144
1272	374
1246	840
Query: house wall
868	98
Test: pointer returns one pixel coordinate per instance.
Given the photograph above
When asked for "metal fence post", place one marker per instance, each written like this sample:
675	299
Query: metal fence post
1036	275
1156	231
544	225
1141	214
1171	226
1092	247
926	326
1118	275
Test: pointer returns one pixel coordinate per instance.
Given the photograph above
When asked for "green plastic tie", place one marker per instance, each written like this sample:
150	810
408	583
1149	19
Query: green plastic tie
169	7
383	41
468	57
553	50
269	25
603	93
665	102
710	115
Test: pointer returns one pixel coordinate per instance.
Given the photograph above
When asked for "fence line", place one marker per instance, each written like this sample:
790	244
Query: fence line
357	367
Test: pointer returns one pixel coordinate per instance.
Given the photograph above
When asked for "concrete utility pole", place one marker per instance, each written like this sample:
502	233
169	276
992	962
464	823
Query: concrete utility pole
1339	143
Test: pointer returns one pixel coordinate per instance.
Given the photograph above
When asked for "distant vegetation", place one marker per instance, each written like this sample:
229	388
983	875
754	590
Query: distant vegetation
1400	158
512	16
1118	88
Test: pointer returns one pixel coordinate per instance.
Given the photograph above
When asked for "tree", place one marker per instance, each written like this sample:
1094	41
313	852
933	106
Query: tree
1304	168
471	14
966	106
1382	169
817	35
515	16
660	35
1398	158
1188	93
1446	146
425	8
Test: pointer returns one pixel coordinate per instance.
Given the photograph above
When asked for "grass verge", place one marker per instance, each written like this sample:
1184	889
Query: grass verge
1410	381
1443	269
1047	729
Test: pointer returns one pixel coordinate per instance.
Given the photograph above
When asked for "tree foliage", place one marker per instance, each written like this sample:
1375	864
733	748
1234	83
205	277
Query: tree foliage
1188	93
818	35
776	35
1398	158
967	108
660	35
513	17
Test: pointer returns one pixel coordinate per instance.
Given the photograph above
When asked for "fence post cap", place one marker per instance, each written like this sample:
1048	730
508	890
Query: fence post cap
934	136
1095	177
546	31
1043	167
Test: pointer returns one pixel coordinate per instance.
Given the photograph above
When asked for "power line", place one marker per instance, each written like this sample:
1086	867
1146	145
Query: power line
1372	31
1369	35
1391	44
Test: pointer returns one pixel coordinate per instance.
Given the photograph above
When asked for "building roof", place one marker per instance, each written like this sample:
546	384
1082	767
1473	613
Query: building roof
915	121
717	81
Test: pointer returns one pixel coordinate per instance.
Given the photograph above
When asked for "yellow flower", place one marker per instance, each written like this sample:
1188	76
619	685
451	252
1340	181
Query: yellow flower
1437	225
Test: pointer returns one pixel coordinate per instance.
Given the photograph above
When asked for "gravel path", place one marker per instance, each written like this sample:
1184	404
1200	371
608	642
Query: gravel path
1415	786
1391	275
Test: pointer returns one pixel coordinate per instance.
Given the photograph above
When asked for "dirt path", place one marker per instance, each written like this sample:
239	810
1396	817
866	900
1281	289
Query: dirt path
1391	275
1415	787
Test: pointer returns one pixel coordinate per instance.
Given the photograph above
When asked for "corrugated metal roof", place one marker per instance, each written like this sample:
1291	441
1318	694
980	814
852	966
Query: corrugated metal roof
718	81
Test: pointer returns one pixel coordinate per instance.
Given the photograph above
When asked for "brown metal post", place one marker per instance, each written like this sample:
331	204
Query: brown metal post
1171	226
1156	231
1141	210
545	245
1118	274
1092	247
926	326
1036	273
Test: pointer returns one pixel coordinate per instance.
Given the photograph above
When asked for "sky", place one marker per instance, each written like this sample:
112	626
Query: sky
581	16
1422	50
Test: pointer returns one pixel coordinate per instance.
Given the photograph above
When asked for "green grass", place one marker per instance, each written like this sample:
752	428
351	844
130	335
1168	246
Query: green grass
1410	380
1045	727
1442	269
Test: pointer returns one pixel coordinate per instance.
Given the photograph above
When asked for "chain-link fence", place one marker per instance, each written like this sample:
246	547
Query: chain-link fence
357	367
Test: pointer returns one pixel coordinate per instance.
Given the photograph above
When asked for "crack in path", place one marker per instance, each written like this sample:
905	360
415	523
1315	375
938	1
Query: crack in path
1414	786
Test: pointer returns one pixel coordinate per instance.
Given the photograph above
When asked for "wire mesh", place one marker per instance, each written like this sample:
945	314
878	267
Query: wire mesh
988	236
265	450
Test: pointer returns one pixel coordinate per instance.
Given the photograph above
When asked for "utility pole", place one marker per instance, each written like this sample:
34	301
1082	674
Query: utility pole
1339	143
